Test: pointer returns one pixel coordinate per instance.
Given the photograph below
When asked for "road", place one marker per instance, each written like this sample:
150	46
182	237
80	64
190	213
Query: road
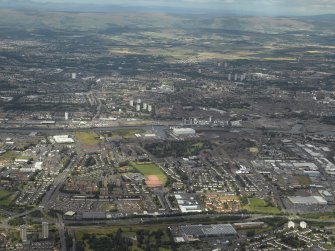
159	128
58	182
6	213
50	195
61	230
72	234
164	219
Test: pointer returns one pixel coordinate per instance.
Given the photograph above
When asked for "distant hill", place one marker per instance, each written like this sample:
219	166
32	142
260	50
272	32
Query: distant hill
30	19
321	17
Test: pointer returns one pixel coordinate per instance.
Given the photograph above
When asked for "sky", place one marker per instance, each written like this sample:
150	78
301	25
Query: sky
266	7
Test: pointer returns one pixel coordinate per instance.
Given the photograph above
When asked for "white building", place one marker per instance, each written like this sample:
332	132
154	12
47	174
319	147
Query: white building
23	233
307	200
188	204
63	139
74	75
66	116
131	102
38	165
303	224
290	224
183	131
138	108
21	160
149	108
45	230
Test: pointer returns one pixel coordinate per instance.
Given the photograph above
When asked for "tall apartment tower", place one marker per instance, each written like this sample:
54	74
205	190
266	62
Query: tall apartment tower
23	233
45	230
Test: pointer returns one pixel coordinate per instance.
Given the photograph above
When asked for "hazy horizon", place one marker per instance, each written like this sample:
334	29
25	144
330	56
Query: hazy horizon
234	7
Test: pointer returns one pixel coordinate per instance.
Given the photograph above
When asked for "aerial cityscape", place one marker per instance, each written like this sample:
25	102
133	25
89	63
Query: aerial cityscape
126	128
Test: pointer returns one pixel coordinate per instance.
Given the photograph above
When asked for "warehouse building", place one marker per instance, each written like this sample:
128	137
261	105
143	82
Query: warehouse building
183	131
62	139
307	200
194	232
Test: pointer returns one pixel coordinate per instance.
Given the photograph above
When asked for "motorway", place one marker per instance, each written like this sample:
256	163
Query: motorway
166	219
61	229
159	129
58	182
50	195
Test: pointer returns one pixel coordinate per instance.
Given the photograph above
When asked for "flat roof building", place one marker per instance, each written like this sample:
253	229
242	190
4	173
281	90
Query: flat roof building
208	230
63	139
183	131
307	200
188	204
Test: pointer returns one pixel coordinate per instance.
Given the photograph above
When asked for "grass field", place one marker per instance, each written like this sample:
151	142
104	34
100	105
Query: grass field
148	169
9	155
320	216
303	180
127	133
260	206
108	207
280	59
6	197
88	138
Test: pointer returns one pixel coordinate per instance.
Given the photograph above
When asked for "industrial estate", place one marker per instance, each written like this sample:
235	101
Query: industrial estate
166	132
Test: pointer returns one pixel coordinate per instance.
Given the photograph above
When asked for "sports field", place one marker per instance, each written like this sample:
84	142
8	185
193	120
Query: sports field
257	205
88	138
154	175
6	197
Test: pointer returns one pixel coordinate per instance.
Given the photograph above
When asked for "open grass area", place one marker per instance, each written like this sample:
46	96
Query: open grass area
6	197
127	133
304	180
177	148
88	138
320	216
9	155
108	207
149	168
279	59
256	205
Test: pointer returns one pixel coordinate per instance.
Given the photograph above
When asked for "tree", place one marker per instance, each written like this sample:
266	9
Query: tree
250	233
90	161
